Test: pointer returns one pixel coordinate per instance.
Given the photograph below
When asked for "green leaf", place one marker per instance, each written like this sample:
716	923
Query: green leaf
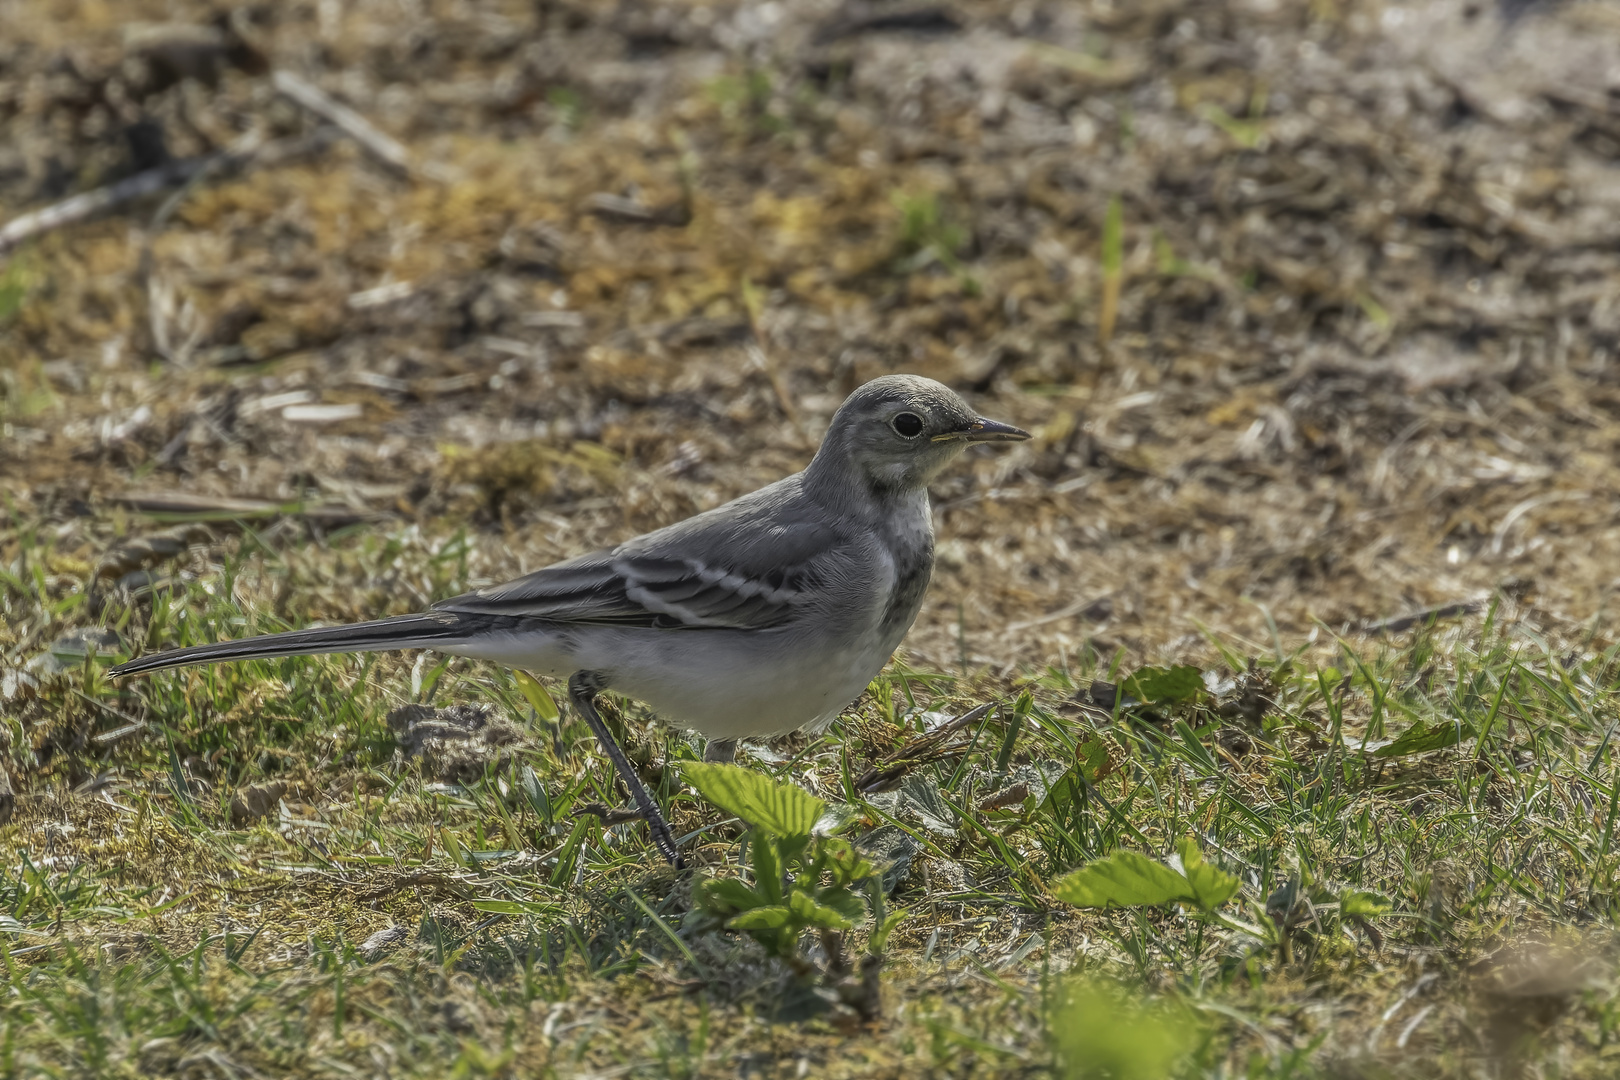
1131	879
724	896
847	860
774	917
536	695
1063	788
1093	761
1357	903
805	908
1421	738
1151	684
1211	886
1113	237
1100	1029
846	903
1123	879
880	936
778	808
767	867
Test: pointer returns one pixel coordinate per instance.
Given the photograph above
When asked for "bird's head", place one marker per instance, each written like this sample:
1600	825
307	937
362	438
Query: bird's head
897	432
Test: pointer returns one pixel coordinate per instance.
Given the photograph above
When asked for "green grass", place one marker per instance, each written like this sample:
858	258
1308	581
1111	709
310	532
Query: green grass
1464	775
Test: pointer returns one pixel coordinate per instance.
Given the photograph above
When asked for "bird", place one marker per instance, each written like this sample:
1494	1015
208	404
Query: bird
769	614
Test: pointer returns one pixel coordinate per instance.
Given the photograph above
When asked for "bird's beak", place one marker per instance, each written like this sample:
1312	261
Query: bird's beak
982	431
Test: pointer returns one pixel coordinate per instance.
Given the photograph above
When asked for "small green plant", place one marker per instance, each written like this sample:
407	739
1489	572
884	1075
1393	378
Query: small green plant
1248	132
13	290
1169	264
569	105
929	234
745	103
1131	879
1164	685
802	880
1098	1029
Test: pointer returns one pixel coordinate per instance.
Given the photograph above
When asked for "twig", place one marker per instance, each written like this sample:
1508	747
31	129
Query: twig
431	879
919	751
354	125
89	203
1094	608
635	212
1416	618
205	508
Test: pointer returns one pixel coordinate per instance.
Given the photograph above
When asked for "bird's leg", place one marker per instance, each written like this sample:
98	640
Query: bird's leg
583	686
720	751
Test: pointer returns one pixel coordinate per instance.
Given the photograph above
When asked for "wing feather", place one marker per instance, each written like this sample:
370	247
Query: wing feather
750	564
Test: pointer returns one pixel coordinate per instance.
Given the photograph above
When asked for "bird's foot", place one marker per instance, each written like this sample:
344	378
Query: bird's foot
583	686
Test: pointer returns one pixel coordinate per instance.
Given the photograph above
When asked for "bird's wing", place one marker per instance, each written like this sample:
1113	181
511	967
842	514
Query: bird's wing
750	564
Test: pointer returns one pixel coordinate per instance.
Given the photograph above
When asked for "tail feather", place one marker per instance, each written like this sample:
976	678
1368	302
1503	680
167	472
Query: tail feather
401	632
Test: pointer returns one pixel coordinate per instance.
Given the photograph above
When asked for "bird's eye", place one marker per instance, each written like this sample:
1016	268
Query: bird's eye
907	425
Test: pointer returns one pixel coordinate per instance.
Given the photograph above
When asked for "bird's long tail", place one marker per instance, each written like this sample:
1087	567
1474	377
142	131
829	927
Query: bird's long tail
423	631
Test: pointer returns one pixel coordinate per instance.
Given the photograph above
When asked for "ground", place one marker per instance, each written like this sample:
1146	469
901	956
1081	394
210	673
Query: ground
1313	308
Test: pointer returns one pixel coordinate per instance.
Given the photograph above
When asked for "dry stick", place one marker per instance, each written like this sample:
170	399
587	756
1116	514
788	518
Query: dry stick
85	205
1079	607
204	508
354	125
1417	618
79	207
82	206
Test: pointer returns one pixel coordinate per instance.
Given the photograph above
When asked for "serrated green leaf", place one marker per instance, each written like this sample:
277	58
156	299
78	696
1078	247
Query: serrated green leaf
767	868
847	860
1421	738
724	896
774	917
848	904
1131	879
1093	762
805	908
1123	879
1152	684
1211	886
780	809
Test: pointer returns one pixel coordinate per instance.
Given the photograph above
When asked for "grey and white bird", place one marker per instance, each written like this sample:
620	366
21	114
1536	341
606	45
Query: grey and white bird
766	615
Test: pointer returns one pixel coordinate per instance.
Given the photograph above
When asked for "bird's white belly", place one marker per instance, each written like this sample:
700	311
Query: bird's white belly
720	683
745	685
